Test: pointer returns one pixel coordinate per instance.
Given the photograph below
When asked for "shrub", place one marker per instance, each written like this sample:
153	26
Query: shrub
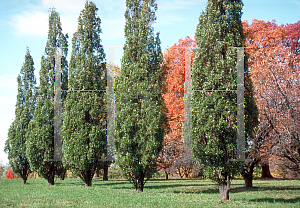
185	167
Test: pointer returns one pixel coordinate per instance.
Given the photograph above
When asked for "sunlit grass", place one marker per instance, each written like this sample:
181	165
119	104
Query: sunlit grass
157	193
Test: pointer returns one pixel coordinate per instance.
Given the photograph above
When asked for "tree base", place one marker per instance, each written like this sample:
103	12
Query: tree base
265	172
224	191
105	172
248	181
88	183
139	190
24	181
51	182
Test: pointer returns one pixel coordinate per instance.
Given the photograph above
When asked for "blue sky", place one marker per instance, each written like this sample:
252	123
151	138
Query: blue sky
25	23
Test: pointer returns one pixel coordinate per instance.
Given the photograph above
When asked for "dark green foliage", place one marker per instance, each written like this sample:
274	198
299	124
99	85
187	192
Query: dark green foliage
26	99
84	120
140	116
214	115
40	142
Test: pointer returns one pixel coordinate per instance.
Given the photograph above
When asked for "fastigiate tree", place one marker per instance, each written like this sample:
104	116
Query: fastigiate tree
141	115
26	99
214	114
84	119
40	142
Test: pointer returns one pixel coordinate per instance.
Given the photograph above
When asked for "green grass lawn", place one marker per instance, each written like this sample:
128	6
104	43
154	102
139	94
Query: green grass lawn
157	193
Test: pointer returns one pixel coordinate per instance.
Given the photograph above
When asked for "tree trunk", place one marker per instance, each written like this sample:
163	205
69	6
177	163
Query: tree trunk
88	182
248	180
140	184
24	173
63	175
224	191
167	175
266	170
51	181
88	177
51	174
105	172
24	179
248	175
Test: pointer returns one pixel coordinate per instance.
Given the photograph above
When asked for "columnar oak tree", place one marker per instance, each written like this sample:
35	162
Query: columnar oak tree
214	114
40	142
84	119
140	116
26	99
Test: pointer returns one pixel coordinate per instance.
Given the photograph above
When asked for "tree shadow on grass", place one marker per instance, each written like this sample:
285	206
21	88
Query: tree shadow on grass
175	179
70	183
111	183
157	185
235	189
74	183
197	191
187	183
96	182
276	200
164	186
264	188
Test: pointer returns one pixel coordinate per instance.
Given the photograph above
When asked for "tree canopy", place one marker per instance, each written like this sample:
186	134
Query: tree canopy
84	119
15	145
214	101
140	116
40	142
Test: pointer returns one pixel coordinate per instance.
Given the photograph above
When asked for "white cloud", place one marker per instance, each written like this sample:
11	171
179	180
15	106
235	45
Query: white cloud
64	5
68	24
34	21
30	23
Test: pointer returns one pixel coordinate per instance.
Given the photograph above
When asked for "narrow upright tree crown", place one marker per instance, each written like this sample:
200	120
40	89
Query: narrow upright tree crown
214	114
140	117
84	120
26	99
40	142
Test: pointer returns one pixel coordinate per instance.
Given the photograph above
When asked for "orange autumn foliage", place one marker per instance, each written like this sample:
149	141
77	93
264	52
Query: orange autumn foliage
174	60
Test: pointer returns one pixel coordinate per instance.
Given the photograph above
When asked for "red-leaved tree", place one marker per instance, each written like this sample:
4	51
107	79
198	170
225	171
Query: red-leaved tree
174	60
10	174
